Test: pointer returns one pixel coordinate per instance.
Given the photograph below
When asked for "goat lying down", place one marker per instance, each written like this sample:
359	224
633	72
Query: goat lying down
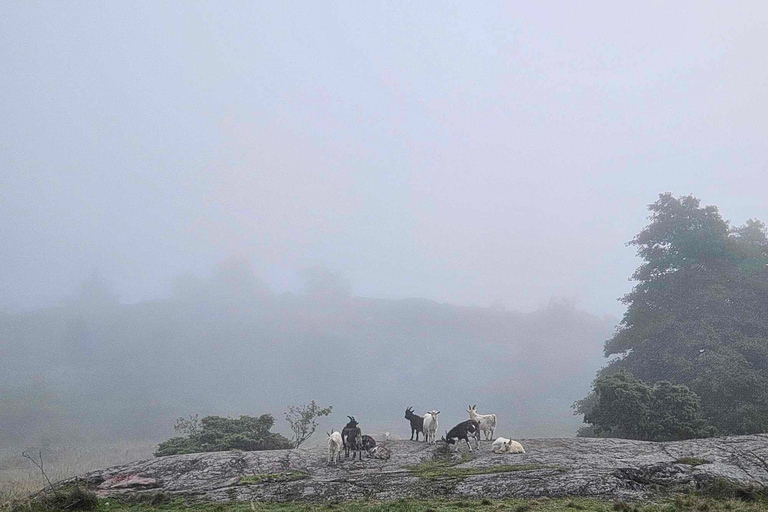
504	445
369	444
380	452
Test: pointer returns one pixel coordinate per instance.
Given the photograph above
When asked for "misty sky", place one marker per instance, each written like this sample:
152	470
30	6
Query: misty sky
448	150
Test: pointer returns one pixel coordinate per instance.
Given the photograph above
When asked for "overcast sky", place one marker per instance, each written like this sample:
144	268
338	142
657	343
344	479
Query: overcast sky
459	151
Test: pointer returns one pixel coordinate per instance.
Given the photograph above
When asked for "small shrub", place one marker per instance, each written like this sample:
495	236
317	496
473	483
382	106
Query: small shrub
724	489
72	498
215	433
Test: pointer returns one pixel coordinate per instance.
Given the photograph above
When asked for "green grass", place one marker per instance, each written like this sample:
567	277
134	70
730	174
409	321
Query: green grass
286	476
681	503
692	461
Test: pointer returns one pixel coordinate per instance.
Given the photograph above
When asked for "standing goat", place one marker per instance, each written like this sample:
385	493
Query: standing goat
354	443
334	447
462	431
430	426
346	430
417	422
487	421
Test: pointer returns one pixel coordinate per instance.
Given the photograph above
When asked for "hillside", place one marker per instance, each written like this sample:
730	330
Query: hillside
128	371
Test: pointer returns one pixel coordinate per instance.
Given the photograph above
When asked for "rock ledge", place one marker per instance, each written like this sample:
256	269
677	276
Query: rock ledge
605	468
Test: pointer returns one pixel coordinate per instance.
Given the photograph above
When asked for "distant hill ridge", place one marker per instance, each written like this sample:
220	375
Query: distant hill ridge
136	368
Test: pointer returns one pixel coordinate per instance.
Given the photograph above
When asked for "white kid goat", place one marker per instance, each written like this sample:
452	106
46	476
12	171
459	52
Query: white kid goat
430	425
334	447
487	421
503	445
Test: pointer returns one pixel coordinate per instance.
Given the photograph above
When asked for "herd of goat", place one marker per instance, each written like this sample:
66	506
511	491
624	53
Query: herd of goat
351	439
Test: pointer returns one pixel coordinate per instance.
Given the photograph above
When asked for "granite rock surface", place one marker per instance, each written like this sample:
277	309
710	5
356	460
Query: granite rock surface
605	468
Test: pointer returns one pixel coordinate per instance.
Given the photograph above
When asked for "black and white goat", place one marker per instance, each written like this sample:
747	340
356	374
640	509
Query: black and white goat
369	444
462	431
417	423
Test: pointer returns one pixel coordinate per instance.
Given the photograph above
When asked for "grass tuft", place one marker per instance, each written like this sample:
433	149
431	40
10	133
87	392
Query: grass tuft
691	461
285	476
439	468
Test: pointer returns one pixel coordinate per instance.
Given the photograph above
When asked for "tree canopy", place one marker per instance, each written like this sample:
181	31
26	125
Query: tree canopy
698	315
629	408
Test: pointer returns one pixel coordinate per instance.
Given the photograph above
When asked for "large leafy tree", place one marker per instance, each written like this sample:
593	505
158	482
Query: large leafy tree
698	315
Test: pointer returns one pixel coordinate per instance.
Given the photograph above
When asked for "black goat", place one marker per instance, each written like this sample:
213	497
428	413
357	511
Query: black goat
417	423
346	430
354	443
369	443
462	430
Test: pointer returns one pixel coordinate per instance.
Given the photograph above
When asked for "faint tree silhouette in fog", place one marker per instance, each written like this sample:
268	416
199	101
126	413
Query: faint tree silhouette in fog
321	283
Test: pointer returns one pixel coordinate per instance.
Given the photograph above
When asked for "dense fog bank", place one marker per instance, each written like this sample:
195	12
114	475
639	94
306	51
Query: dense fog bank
98	368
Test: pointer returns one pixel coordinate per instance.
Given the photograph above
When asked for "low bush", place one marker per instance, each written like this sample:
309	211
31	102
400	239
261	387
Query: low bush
220	434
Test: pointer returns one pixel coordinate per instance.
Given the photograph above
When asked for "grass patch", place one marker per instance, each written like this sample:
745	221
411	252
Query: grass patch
285	476
446	468
400	505
682	503
74	498
691	461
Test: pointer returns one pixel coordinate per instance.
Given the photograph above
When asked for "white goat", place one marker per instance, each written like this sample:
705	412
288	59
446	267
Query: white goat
334	447
487	421
430	425
503	445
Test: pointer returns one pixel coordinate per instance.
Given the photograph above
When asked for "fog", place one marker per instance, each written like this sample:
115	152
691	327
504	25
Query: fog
96	369
180	183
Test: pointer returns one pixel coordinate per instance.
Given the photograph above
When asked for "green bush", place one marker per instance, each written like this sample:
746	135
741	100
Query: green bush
219	434
70	498
626	407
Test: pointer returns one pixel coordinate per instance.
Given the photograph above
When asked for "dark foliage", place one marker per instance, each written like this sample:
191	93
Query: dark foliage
64	499
698	315
629	408
218	434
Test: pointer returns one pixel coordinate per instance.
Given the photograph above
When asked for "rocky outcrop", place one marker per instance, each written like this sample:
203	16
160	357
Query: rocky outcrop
607	468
